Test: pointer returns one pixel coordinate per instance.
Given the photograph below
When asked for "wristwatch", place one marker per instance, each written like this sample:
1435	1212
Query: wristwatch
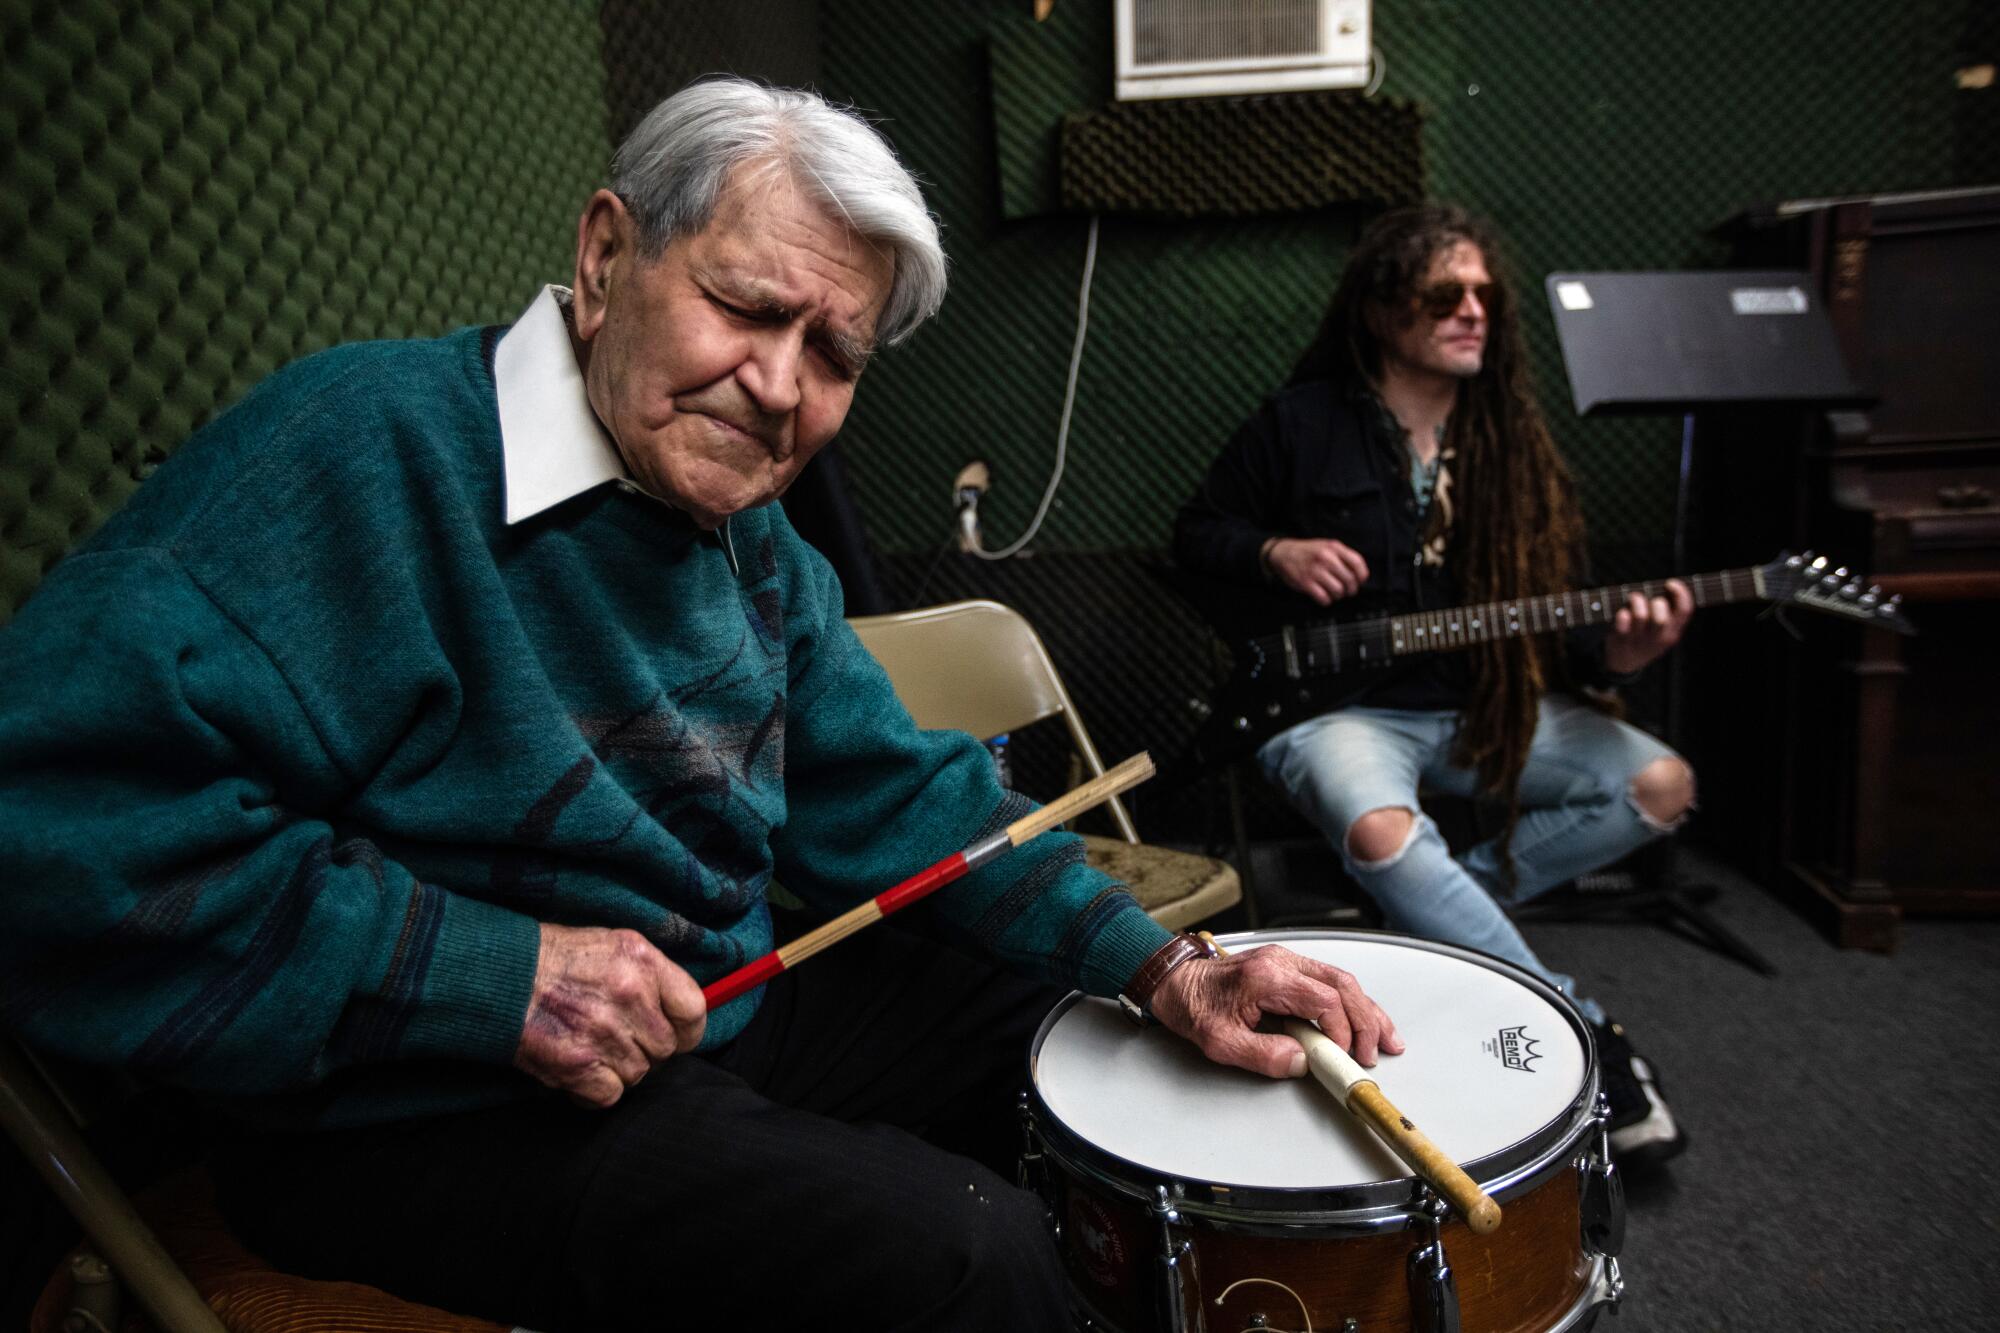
1137	997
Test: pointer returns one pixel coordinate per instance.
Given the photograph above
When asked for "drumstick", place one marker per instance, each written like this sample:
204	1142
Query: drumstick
1099	789
1337	1070
1339	1074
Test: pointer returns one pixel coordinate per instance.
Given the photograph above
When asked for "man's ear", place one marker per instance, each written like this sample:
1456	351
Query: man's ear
604	239
1384	322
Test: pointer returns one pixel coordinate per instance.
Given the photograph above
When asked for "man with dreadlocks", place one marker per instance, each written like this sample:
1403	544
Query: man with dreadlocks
1405	465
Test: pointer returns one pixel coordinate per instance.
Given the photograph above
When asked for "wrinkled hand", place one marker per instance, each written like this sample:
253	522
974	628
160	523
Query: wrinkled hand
1645	627
1321	568
1217	1003
607	1007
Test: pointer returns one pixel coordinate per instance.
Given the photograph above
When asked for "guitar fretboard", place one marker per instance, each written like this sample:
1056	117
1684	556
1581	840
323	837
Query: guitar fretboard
1333	646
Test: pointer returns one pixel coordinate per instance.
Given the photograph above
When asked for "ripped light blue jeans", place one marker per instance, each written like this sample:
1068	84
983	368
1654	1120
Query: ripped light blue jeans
1577	813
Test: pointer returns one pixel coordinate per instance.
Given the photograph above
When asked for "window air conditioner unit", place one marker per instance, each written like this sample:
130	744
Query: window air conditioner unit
1209	48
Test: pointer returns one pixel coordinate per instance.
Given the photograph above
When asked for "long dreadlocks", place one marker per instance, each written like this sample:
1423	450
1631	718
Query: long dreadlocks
1518	531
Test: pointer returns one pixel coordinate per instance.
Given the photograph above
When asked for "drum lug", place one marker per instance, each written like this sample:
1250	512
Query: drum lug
1433	1289
1032	1173
1603	1192
1173	1250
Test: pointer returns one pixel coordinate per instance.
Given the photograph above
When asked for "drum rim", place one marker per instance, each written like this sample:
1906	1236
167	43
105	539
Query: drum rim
1505	1173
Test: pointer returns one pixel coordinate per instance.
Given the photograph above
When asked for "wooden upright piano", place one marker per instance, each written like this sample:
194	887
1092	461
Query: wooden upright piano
1862	769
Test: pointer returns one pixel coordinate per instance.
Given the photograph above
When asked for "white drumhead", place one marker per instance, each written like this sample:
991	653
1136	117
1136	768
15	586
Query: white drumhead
1489	1063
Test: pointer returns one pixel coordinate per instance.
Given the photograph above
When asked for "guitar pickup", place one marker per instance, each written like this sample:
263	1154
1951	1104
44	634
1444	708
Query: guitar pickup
1291	642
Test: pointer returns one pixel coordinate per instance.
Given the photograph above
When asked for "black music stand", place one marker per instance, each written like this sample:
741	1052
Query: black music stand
1660	344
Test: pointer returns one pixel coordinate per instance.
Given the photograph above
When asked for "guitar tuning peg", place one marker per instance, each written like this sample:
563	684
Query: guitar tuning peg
1841	572
1819	562
1872	596
1851	590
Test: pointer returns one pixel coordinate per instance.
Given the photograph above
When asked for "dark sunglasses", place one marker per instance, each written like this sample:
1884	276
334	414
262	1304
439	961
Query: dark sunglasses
1441	300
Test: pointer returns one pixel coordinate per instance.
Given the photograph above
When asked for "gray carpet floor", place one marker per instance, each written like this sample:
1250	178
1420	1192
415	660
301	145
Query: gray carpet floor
1838	1117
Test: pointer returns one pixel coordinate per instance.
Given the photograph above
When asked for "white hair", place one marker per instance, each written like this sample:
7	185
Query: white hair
671	170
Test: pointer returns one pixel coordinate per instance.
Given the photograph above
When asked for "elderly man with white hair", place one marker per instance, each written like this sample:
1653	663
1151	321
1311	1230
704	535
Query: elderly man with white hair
393	771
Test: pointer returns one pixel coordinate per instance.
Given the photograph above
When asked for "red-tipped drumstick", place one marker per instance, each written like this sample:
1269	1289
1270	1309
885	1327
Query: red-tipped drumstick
1127	775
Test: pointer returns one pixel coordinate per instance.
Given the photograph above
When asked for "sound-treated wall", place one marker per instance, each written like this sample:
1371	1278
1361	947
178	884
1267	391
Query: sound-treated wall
1598	136
195	194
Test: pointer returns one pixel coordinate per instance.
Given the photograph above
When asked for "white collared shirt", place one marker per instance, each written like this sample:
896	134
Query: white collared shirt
552	444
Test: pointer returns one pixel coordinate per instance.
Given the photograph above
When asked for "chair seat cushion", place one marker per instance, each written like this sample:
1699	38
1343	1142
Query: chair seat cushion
1177	889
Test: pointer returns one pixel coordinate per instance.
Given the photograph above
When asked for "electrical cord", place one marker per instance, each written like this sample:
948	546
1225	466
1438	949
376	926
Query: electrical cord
1062	430
916	594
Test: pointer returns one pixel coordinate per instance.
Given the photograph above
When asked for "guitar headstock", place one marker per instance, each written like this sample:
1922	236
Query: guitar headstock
1813	581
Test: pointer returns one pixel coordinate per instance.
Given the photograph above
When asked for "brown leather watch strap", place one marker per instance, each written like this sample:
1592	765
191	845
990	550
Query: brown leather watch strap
1137	997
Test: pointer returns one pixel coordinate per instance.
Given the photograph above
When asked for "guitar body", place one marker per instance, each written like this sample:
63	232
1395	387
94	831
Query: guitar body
1313	666
1247	710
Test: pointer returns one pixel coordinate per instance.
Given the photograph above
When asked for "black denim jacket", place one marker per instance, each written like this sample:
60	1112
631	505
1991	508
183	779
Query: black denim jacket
1323	460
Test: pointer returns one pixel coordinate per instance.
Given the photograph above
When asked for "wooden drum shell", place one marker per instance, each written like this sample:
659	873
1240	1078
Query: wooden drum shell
1343	1249
1526	1277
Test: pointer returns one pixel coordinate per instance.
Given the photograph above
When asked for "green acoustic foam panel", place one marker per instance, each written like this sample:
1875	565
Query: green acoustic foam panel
1614	137
195	194
1241	156
985	380
1040	73
1604	136
653	48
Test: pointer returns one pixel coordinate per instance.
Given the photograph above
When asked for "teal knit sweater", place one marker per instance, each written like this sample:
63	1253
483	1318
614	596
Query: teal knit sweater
298	750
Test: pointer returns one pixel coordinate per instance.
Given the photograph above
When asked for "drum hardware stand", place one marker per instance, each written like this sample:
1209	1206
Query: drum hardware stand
1664	894
1433	1289
1603	1192
1173	1306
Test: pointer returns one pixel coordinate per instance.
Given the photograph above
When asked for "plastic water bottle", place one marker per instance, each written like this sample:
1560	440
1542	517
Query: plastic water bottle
1003	765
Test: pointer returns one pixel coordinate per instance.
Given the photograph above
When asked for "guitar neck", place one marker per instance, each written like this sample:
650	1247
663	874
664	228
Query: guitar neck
1376	641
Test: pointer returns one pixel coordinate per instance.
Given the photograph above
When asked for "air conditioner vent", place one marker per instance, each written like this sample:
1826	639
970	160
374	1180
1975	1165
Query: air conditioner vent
1206	48
1171	31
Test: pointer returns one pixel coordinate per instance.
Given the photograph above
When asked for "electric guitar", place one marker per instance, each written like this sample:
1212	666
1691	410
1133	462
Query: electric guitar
1303	670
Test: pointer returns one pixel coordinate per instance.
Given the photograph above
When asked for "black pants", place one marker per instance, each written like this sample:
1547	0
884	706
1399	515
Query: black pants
819	1171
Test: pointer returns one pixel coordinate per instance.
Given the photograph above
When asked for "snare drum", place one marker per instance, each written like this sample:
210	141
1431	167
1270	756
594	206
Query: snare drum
1186	1195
